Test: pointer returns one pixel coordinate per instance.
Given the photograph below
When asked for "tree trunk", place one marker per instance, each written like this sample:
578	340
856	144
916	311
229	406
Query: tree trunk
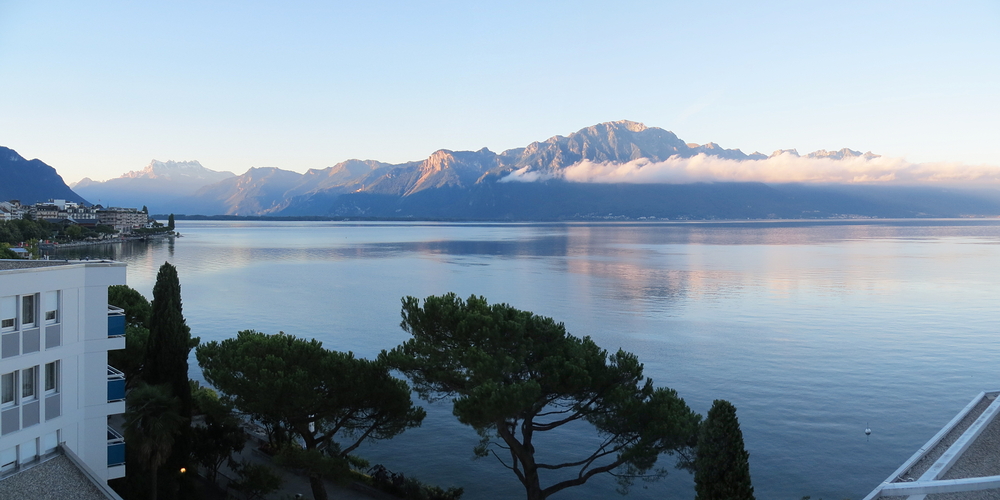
534	491
316	483
152	481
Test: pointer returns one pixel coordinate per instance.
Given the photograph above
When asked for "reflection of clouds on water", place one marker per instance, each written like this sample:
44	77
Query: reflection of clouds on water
647	268
805	326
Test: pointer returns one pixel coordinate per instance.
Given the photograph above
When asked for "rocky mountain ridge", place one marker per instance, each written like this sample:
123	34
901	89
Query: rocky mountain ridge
156	186
31	181
472	185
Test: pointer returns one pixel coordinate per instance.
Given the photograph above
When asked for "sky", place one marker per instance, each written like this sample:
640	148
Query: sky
97	89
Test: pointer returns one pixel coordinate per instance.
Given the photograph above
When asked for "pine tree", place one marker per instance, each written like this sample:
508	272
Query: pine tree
167	352
170	222
722	467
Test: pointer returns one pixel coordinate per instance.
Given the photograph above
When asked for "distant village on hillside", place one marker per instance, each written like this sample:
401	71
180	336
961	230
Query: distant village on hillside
26	229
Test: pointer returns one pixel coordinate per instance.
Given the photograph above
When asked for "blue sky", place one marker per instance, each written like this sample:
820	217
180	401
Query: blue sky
98	89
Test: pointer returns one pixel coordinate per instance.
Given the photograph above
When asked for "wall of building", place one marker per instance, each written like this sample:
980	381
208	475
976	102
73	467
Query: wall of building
81	355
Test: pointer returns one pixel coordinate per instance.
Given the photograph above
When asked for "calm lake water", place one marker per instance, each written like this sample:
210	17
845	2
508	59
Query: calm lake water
812	329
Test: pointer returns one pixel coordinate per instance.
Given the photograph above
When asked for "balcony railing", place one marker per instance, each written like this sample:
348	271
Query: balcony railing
116	448
116	321
116	384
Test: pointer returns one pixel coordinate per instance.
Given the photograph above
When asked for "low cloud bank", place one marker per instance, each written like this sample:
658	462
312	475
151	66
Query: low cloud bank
782	168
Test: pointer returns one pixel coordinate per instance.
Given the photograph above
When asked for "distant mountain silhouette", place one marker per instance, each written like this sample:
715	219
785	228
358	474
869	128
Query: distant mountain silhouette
473	185
31	181
157	186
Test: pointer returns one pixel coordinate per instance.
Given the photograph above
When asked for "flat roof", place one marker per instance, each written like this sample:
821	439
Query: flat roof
961	461
57	478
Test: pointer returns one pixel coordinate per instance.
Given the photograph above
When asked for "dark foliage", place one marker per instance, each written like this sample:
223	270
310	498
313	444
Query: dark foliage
513	375
166	360
317	394
722	467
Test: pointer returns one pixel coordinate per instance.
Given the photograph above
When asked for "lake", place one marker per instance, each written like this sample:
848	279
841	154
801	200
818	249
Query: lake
813	330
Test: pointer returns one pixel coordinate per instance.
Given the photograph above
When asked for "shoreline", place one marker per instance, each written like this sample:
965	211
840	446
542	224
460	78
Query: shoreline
125	239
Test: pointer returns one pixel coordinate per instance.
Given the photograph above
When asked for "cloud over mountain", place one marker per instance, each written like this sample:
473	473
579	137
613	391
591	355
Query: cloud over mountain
782	167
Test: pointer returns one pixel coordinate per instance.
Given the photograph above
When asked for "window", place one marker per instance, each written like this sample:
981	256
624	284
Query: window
8	313
51	377
8	384
50	304
28	383
28	310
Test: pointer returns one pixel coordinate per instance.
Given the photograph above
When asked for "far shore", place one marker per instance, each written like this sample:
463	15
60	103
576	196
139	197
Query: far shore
120	239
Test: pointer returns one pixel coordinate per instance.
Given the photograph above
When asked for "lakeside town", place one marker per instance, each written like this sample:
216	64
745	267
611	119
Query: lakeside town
26	230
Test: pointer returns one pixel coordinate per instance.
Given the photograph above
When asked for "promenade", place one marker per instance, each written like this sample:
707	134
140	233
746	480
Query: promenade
292	484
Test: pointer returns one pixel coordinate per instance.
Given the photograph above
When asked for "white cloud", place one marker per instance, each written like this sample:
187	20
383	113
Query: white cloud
782	168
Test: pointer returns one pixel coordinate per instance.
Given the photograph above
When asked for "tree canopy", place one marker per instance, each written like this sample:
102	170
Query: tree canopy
167	350
512	374
137	308
6	252
722	465
152	427
316	393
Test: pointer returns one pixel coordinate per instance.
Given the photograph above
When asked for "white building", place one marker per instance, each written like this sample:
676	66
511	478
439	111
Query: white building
10	211
56	386
122	219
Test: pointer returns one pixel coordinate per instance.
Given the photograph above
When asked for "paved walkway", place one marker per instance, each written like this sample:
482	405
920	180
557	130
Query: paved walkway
292	483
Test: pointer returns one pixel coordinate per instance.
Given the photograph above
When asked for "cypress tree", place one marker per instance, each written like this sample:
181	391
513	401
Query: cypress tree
170	222
166	362
722	466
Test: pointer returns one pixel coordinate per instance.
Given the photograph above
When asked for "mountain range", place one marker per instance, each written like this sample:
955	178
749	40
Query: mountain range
154	186
31	181
477	185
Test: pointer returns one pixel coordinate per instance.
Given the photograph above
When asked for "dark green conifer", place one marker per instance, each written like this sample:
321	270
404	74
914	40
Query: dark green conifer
722	466
166	362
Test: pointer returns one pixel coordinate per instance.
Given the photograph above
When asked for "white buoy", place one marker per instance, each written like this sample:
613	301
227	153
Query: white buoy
868	430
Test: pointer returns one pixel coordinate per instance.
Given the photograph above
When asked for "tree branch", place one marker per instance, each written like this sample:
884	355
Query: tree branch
582	478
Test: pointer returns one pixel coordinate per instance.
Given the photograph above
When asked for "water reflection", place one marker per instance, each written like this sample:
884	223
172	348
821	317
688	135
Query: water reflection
811	329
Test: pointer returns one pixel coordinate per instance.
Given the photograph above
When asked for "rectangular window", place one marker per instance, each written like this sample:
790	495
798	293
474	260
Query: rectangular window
52	377
27	311
8	386
8	313
28	383
50	303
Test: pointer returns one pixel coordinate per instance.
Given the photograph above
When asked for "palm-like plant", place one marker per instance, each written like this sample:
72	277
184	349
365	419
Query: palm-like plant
152	421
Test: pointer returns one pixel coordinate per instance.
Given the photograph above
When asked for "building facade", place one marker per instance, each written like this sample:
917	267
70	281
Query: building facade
11	210
122	219
56	386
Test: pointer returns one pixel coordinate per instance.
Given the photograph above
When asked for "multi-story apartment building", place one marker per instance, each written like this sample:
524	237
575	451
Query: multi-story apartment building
57	390
58	210
122	219
11	210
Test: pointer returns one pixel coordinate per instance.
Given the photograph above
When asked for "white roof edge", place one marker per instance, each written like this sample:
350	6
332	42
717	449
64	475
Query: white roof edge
920	453
89	473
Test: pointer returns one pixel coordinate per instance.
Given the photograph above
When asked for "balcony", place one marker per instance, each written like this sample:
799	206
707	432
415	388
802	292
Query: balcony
116	448
116	322
116	385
